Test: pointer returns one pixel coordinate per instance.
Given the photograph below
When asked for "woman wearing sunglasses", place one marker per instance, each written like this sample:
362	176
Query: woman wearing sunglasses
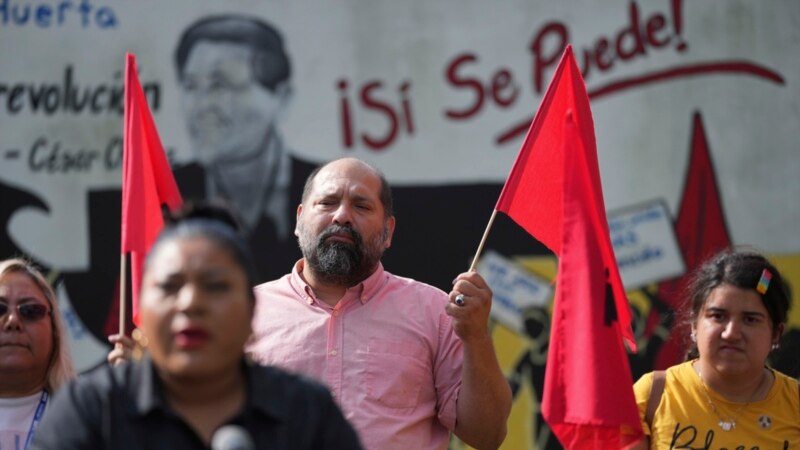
34	358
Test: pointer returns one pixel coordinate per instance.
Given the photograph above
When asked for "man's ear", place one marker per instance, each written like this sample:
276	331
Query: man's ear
390	223
297	219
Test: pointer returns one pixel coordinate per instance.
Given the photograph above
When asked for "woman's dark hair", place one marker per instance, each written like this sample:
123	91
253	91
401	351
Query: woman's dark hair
212	221
742	269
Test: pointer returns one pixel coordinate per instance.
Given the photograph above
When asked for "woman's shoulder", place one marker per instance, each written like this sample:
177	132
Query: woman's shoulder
104	382
681	370
80	404
677	371
787	383
644	381
98	377
642	387
784	378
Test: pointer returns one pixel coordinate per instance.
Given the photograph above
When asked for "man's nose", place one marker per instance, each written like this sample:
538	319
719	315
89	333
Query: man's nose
343	214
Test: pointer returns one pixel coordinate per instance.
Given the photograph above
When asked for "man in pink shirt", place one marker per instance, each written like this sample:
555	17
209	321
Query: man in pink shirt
407	362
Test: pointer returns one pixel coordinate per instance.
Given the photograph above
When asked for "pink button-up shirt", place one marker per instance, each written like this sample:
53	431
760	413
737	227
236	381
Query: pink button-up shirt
387	352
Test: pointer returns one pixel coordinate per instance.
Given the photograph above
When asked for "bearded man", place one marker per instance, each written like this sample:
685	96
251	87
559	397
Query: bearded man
407	362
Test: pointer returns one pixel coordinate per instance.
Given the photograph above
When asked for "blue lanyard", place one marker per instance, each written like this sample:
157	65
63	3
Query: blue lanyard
37	417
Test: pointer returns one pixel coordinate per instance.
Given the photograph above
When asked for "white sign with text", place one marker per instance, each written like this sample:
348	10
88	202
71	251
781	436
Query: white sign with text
514	289
644	244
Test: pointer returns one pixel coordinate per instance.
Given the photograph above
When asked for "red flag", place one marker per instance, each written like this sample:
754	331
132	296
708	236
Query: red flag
554	192
147	180
701	232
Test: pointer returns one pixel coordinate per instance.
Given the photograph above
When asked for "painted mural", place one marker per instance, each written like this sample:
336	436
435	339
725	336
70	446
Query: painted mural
695	107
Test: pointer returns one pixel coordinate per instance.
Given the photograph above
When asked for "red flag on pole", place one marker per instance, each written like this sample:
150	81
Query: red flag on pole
147	180
554	192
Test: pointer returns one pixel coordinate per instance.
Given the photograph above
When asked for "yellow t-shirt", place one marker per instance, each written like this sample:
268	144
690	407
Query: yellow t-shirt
685	420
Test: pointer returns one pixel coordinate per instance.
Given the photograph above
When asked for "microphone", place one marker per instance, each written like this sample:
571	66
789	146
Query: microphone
232	437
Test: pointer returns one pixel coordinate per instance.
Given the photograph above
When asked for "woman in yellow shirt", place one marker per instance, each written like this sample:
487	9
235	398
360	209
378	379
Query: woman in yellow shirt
725	396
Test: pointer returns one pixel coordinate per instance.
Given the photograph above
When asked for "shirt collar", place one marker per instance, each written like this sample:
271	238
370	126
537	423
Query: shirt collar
146	388
365	290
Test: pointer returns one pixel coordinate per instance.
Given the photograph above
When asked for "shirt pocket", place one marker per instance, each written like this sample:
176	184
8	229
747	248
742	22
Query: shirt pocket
397	372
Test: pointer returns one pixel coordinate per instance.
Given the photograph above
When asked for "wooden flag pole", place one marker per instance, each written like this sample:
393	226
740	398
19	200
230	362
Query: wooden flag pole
122	283
483	241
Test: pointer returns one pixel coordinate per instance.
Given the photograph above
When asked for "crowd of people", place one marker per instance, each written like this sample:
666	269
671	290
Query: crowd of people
340	353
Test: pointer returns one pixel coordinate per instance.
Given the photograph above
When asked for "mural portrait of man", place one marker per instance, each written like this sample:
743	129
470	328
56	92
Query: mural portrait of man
235	80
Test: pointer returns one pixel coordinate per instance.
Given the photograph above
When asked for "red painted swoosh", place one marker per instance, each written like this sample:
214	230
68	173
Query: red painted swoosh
725	67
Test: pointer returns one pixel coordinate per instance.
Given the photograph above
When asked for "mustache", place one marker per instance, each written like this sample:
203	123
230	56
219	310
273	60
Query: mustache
341	229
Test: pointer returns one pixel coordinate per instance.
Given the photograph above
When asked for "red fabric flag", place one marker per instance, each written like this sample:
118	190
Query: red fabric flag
701	231
554	192
147	180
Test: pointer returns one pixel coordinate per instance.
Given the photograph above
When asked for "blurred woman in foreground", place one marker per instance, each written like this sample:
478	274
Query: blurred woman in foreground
34	357
726	396
195	311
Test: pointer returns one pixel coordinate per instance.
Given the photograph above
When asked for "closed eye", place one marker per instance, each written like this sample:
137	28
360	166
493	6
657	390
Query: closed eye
327	201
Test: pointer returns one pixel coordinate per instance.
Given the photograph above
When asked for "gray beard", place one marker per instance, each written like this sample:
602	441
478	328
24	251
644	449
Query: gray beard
340	263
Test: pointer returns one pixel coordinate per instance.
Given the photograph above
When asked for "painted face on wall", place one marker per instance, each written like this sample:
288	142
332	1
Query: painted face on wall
26	330
734	331
229	113
195	308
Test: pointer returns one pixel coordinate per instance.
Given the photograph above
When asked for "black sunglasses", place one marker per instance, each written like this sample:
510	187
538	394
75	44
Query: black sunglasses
29	312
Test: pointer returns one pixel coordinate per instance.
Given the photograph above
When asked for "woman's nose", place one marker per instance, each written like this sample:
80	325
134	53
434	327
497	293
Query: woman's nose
189	298
11	320
732	329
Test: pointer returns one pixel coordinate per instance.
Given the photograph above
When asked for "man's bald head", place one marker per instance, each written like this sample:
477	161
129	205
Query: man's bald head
351	165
